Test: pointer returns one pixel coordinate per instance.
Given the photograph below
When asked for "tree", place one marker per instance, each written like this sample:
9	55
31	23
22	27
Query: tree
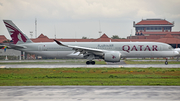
6	41
84	37
115	37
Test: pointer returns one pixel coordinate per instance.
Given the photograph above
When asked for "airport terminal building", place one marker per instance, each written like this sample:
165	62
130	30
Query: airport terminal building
158	29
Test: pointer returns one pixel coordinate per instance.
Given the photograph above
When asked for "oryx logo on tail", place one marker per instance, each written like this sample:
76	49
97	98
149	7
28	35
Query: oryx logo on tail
16	35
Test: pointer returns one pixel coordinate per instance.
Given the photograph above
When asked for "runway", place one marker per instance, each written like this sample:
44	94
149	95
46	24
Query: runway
89	66
89	93
63	64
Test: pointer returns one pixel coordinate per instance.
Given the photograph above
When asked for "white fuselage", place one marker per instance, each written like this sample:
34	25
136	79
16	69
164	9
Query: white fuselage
127	49
109	51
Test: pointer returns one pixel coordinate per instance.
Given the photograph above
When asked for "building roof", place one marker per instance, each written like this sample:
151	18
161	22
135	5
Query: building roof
42	38
168	39
132	40
75	40
2	38
154	22
103	38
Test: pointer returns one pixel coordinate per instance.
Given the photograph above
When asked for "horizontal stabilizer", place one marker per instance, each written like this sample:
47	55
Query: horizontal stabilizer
17	47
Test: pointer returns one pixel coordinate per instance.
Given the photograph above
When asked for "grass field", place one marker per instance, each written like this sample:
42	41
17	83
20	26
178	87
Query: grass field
89	76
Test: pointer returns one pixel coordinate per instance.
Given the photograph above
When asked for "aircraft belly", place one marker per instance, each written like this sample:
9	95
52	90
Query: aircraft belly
57	54
164	53
144	54
131	54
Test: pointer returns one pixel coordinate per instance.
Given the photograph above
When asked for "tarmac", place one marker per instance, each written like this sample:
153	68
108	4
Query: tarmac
62	64
89	93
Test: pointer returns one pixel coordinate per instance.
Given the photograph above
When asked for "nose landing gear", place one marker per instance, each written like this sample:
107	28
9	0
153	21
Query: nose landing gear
166	62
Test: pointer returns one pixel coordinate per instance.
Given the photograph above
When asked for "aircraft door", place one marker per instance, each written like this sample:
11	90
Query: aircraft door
39	48
42	48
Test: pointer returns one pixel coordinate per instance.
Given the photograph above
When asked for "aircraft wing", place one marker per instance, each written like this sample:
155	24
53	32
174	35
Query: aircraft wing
91	53
83	50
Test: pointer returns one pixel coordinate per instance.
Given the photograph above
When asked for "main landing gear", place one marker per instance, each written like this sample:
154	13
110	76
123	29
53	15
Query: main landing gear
90	62
166	62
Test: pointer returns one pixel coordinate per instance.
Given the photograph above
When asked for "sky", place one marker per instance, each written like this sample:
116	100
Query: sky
78	18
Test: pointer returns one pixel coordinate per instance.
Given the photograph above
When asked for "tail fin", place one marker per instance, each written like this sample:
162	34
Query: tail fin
18	37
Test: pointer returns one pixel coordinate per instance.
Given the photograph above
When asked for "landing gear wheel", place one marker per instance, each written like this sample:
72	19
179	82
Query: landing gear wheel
87	62
166	63
92	62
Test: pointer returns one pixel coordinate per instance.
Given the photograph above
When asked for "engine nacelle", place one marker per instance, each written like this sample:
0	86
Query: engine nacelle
112	56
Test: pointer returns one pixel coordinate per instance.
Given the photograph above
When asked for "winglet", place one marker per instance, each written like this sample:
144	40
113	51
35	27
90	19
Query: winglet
59	43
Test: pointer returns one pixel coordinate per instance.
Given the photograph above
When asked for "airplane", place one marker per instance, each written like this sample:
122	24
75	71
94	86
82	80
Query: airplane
108	51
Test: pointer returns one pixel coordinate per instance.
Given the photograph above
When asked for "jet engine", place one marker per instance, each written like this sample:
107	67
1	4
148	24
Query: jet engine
112	56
